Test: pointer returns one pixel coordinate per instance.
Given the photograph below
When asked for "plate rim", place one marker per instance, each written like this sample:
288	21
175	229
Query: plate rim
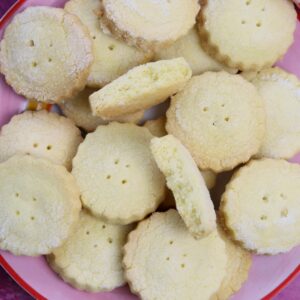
35	294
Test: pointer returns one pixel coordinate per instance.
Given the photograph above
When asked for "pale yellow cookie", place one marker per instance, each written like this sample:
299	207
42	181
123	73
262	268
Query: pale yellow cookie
157	126
220	118
42	134
184	179
91	257
247	35
209	178
117	175
163	261
78	109
149	24
261	206
112	57
46	54
39	205
140	88
237	270
190	49
281	97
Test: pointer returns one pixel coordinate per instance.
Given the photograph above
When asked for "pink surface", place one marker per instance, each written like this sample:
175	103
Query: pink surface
265	275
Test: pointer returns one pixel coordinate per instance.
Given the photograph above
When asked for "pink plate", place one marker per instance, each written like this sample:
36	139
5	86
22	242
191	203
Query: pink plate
268	275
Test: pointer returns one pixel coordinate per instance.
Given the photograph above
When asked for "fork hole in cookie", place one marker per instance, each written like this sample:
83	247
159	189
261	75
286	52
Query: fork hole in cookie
282	196
226	119
182	266
124	181
127	166
168	258
17	195
110	240
263	9
258	24
51	44
108	177
214	124
205	109
265	199
87	233
116	162
243	22
32	218
49	147
103	226
263	217
18	213
93	37
31	43
49	59
248	2
284	213
111	47
171	242
34	199
223	105
35	145
34	64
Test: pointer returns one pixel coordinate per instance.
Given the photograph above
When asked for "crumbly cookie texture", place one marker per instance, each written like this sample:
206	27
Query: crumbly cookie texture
112	57
119	181
148	24
280	92
161	257
189	47
40	57
157	126
41	134
90	259
220	118
184	179
260	206
247	35
140	88
39	205
237	270
78	109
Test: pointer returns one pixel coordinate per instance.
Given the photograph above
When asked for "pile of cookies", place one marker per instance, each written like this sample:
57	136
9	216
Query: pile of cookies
123	200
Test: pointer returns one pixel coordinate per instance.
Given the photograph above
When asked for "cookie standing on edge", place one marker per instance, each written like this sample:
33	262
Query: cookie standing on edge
39	205
247	35
280	92
140	88
112	57
119	181
161	258
91	257
183	178
189	47
220	118
148	24
260	206
78	109
42	134
40	57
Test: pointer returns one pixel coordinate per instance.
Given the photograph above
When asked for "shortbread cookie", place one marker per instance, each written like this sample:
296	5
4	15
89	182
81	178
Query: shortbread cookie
157	127
220	119
187	184
281	97
209	178
40	55
190	49
42	134
140	88
163	261
39	205
149	24
91	257
78	109
247	35
260	206
112	57
117	175
237	270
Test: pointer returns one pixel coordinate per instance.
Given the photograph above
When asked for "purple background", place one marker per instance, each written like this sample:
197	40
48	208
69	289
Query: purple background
11	291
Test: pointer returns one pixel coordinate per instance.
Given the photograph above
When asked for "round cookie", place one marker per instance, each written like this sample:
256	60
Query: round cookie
280	92
140	88
42	134
189	47
78	109
40	57
112	58
157	126
237	270
161	258
117	175
184	179
39	205
260	206
149	24
220	118
247	35
91	257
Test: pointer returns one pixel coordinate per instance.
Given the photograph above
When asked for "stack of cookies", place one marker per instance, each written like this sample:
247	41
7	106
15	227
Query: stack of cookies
123	200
